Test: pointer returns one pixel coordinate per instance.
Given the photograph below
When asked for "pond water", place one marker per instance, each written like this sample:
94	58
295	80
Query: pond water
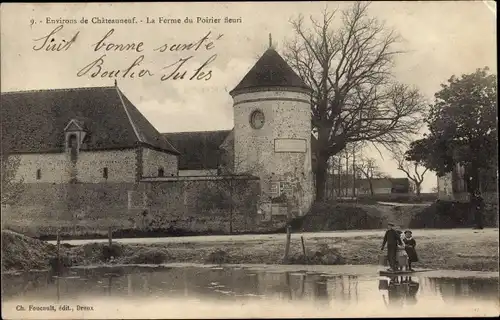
226	292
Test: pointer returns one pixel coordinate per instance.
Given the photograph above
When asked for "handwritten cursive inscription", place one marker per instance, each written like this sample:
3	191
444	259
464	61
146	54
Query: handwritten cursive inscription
110	46
209	45
49	42
96	69
181	69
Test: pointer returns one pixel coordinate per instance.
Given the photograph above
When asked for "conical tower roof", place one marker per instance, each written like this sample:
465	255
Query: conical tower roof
271	70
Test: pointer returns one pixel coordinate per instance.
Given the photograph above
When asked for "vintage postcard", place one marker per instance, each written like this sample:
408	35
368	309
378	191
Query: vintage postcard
249	160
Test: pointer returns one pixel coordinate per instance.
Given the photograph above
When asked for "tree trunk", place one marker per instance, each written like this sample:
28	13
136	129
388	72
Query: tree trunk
475	199
418	188
353	174
347	174
230	206
371	188
321	170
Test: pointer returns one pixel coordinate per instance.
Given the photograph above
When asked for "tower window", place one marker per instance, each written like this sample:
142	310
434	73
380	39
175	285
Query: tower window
257	119
38	174
161	172
105	173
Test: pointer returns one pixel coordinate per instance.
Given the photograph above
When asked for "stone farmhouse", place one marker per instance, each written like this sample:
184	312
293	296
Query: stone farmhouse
89	159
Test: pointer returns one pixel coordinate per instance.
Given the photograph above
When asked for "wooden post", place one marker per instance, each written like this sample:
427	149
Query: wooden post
58	246
287	245
303	248
110	236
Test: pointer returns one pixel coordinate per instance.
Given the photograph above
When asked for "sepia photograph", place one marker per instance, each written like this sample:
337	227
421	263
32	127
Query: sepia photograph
205	160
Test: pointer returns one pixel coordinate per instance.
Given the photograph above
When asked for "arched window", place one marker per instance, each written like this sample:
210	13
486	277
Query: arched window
38	174
161	172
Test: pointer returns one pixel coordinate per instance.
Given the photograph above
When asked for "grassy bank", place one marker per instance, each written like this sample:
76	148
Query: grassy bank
456	250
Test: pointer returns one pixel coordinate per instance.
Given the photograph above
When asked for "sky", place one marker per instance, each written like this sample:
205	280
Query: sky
440	39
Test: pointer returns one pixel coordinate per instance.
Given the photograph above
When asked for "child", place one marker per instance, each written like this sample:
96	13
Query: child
402	256
410	245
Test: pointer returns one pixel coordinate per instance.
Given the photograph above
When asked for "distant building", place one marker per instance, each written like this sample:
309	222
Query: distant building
453	185
341	185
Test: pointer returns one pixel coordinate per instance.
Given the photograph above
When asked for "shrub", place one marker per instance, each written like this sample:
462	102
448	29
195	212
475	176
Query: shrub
452	214
114	251
148	256
334	216
324	255
218	257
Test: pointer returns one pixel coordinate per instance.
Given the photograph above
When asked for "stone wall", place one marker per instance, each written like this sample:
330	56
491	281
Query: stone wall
282	146
198	204
56	167
153	160
204	203
121	166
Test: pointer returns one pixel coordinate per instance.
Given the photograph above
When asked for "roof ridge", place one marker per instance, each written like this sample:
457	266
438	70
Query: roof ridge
136	131
202	131
132	112
57	89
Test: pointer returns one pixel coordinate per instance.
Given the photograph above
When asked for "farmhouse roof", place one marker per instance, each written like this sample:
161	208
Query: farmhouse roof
34	121
271	70
199	149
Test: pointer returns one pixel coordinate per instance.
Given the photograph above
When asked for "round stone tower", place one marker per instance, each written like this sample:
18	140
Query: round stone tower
272	131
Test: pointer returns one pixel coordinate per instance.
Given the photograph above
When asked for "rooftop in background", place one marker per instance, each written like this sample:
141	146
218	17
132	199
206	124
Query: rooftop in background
38	119
199	149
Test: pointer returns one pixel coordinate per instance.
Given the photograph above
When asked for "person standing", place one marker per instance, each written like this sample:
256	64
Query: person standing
410	245
477	203
392	239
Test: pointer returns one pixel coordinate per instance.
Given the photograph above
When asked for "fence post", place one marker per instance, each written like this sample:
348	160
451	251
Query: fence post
58	239
287	244
303	248
110	236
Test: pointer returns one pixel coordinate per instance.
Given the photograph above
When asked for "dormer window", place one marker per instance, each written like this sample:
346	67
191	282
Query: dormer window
75	133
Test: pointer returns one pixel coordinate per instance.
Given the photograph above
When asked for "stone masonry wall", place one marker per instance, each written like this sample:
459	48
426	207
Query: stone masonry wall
55	167
152	160
287	117
193	205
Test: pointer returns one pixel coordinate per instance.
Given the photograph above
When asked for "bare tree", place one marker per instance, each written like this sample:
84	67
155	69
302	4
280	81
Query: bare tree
355	97
369	169
413	170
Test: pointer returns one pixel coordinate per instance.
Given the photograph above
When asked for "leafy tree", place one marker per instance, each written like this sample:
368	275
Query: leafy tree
355	97
463	129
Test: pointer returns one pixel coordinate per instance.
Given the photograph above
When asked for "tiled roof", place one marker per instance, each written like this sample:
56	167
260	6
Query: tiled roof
199	150
35	120
270	71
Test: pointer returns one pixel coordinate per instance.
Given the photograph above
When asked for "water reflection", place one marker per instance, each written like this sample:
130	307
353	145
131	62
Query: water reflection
237	284
400	291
